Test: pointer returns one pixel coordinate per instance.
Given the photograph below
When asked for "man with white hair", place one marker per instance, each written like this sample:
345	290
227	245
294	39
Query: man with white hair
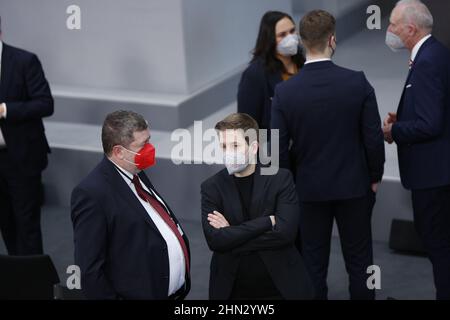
421	130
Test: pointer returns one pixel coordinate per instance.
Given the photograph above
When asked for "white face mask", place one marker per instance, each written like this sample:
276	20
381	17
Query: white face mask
235	162
394	42
288	46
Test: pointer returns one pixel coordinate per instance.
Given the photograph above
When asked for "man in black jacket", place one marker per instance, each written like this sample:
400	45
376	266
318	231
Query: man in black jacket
330	115
250	221
25	99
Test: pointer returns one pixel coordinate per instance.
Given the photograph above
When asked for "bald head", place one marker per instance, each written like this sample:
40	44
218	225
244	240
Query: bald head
411	21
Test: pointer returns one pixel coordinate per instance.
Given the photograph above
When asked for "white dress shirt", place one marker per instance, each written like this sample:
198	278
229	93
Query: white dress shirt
417	47
177	264
3	115
317	60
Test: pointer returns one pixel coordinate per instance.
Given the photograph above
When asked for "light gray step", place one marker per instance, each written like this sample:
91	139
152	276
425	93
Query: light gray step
163	111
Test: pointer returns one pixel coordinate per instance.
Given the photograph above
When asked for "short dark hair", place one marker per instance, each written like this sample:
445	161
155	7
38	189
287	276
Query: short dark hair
266	44
239	121
119	128
315	29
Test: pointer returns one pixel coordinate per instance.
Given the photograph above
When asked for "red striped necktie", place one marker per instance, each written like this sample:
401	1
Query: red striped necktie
144	195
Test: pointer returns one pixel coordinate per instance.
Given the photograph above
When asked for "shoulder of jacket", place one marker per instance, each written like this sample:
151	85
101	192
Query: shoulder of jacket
18	52
214	179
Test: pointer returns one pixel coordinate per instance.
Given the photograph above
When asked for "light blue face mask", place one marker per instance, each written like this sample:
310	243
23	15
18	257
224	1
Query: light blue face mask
288	47
394	42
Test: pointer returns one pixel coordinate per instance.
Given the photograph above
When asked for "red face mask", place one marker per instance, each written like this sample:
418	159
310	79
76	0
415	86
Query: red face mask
144	158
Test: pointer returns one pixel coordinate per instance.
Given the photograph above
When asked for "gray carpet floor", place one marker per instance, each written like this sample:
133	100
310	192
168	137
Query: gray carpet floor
402	276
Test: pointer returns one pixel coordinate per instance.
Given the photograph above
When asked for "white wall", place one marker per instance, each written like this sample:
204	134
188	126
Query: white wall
129	45
152	46
219	35
336	7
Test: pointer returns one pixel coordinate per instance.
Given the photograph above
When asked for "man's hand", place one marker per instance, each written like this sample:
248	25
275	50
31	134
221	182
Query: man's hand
2	110
387	127
387	131
272	218
390	119
375	187
217	220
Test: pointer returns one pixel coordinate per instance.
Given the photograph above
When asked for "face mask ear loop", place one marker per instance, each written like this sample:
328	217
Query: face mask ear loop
135	153
130	162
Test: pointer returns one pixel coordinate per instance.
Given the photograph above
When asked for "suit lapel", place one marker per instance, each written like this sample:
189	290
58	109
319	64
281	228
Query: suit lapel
230	188
159	198
7	67
259	183
124	191
419	53
150	186
232	197
400	104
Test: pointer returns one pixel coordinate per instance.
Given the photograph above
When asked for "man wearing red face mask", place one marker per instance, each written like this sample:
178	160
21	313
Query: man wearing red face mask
128	243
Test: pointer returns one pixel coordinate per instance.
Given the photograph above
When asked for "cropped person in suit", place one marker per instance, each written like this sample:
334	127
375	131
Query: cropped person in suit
128	242
331	115
250	221
25	99
421	130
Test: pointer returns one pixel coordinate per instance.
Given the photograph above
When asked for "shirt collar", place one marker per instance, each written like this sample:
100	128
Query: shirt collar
317	60
1	51
123	171
417	47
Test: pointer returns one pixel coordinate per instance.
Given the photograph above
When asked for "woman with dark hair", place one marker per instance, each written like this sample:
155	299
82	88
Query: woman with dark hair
276	58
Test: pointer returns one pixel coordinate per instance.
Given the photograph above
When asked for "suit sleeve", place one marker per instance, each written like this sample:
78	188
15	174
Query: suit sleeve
429	94
226	239
40	101
372	135
251	95
90	237
279	121
287	220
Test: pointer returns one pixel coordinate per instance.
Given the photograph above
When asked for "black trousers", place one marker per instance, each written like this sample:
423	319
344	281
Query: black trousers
353	218
20	201
432	222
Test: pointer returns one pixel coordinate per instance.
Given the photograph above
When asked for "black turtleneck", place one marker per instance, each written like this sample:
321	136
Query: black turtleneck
252	279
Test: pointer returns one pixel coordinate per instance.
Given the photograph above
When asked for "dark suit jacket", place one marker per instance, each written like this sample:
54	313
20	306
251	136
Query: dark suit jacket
332	117
28	99
119	249
255	92
422	132
272	195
